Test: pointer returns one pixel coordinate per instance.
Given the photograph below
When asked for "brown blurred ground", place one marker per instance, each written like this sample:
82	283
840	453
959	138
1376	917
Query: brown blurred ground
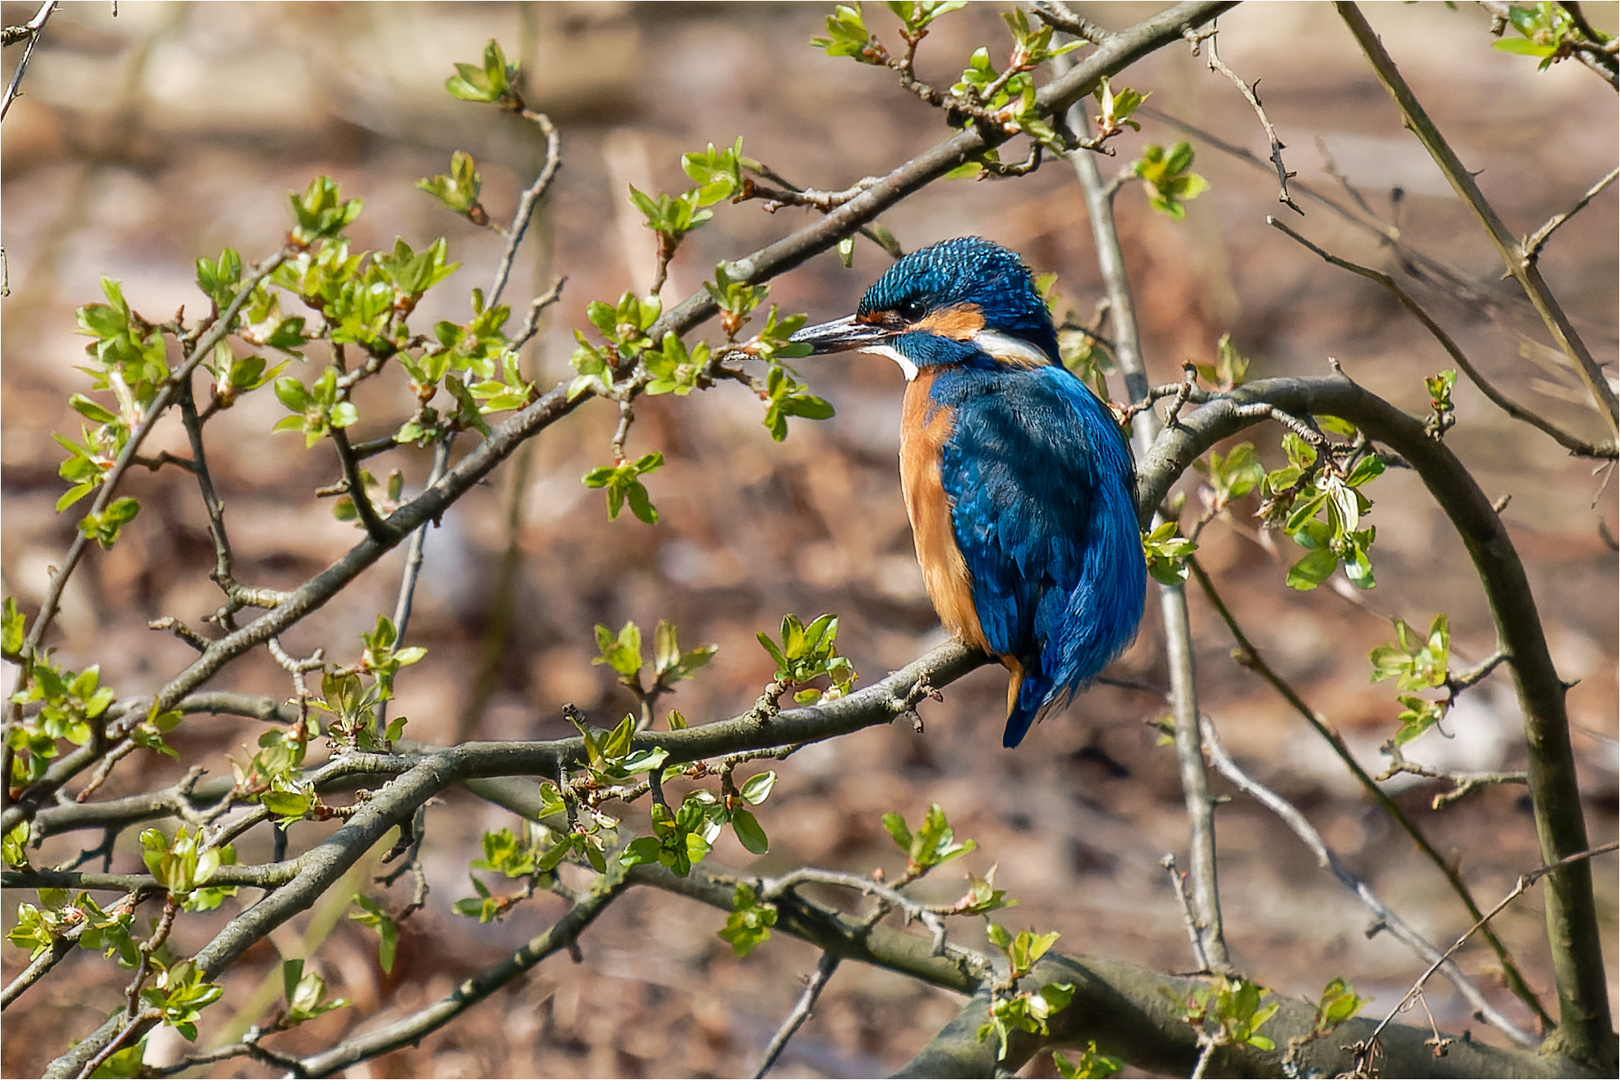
175	130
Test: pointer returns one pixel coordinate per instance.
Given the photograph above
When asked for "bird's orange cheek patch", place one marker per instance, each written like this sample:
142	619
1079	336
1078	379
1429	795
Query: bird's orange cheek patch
960	322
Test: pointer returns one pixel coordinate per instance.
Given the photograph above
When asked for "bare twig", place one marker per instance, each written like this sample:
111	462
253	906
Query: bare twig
1387	918
1519	889
531	324
1462	783
927	914
1535	241
1519	264
413	554
1248	90
1178	881
32	31
801	1012
1572	443
526	202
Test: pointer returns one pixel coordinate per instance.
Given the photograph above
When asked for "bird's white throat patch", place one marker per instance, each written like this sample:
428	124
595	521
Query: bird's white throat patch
1011	350
906	366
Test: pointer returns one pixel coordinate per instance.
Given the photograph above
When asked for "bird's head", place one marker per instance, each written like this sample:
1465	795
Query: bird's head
958	302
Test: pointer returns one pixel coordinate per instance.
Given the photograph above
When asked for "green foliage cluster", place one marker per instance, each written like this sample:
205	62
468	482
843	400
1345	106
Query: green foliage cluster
1230	1012
1025	1010
184	867
1547	31
809	652
1320	506
932	844
1416	662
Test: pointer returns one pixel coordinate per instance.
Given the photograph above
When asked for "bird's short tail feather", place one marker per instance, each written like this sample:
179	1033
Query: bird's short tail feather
1031	694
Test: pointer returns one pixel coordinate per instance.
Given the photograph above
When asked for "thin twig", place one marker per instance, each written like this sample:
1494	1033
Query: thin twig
1247	655
1302	828
413	554
801	1012
1172	598
1535	241
222	574
927	914
1209	1046
1572	443
531	324
1253	98
1524	883
526	202
34	28
1523	268
1178	881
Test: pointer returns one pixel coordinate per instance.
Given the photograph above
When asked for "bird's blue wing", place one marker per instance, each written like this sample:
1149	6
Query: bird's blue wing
1043	508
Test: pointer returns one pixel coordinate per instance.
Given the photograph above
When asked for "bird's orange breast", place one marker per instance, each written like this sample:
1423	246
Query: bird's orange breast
925	426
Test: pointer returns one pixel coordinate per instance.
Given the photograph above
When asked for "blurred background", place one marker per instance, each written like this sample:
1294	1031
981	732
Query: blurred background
169	131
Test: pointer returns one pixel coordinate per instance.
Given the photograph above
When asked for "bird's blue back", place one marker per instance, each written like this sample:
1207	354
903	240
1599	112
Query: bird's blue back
1041	487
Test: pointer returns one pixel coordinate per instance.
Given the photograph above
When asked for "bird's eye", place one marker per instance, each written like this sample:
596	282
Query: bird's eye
913	309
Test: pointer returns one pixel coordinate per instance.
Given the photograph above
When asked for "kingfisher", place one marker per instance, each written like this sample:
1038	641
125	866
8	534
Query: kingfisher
1018	482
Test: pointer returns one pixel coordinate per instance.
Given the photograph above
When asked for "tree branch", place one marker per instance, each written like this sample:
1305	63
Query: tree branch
1277	145
32	31
1172	598
1563	438
1585	1031
1387	919
801	1012
1517	259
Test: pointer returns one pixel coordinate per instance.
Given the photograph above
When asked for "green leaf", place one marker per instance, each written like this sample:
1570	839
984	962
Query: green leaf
622	485
491	82
371	914
757	788
750	922
1316	567
320	212
1091	1065
458	190
1167	553
752	837
847	36
1166	177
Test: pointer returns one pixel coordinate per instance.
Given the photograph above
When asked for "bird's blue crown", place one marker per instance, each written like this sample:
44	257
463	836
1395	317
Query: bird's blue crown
966	272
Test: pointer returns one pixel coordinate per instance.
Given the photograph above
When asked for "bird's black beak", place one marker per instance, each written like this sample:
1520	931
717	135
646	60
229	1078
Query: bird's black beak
843	335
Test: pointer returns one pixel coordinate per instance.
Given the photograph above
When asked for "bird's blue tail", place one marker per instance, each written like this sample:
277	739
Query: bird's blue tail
1080	632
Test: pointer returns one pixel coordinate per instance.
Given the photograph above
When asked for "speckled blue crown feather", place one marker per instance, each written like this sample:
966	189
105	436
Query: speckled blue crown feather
968	270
